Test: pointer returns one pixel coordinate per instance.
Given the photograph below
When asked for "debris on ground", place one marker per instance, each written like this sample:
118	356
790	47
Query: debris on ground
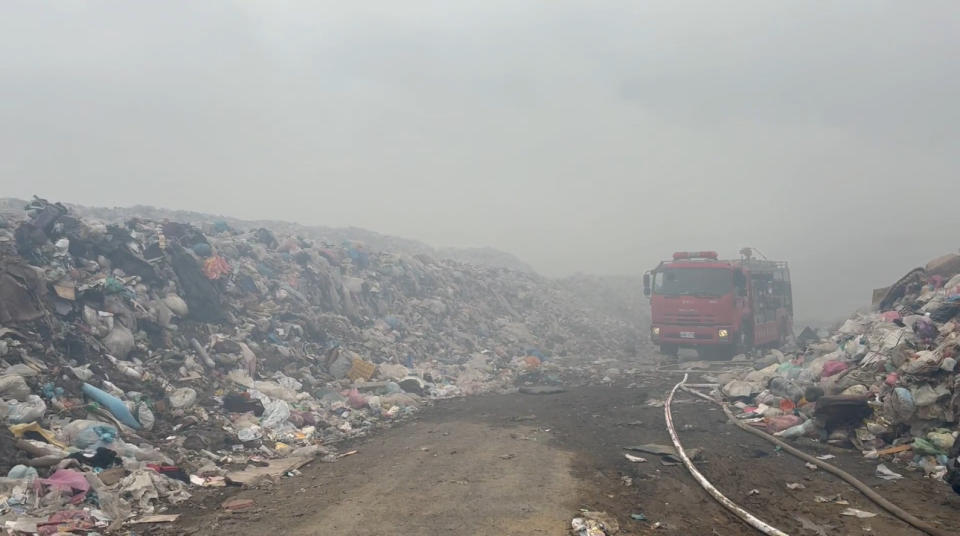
238	504
589	523
818	529
668	454
835	499
886	473
853	512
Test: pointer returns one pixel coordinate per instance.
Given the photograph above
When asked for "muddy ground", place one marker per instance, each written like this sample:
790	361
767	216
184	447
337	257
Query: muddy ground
524	464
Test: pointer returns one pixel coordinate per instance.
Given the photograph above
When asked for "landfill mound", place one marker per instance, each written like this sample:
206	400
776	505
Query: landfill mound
144	359
484	257
884	382
371	240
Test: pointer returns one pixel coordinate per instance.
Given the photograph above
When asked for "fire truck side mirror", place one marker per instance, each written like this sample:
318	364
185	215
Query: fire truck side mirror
646	284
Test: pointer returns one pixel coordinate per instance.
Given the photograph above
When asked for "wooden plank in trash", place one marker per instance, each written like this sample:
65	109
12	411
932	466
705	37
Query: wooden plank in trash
894	450
159	518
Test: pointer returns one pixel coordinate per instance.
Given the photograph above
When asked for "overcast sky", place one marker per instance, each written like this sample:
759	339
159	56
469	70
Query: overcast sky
581	136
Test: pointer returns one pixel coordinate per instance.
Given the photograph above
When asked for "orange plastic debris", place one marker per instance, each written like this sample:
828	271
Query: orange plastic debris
215	267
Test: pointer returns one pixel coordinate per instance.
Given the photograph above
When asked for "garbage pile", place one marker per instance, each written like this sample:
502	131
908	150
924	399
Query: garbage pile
372	240
143	360
884	382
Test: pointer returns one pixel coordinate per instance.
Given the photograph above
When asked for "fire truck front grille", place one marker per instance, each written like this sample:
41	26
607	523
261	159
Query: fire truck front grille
689	319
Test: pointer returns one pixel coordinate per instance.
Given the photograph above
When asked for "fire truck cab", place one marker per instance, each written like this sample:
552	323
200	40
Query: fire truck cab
725	306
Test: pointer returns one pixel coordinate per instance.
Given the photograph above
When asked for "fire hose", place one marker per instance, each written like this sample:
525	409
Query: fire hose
746	516
836	471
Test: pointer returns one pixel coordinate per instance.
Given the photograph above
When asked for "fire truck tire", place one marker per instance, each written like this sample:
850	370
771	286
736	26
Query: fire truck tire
669	349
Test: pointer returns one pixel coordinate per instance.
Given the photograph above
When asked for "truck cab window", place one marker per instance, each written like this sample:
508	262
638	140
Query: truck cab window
709	282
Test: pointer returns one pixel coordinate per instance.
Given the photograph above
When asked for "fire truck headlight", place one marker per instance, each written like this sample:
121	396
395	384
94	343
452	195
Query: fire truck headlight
722	333
656	331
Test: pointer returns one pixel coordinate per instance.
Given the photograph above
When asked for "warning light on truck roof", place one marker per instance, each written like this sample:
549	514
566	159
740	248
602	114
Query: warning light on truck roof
694	255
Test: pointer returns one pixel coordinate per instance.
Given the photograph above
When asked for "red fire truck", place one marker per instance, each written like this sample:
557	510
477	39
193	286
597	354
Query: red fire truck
719	306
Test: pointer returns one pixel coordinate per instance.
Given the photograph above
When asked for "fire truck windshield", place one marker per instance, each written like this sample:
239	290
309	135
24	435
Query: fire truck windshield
712	282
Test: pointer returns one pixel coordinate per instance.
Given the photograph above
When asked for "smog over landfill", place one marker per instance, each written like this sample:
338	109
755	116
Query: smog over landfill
480	268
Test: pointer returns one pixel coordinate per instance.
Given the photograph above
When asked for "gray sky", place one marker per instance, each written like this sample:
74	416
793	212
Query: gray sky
581	136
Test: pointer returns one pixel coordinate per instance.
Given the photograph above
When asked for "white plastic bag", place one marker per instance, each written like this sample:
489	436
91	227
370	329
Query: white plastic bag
30	410
275	415
183	398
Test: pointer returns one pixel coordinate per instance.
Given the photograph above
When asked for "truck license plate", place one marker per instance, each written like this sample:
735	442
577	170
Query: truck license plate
686	335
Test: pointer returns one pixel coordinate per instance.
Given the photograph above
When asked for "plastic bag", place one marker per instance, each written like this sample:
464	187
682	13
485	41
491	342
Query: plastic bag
781	423
922	446
249	433
786	388
900	405
276	413
82	373
119	341
183	398
15	387
832	368
941	439
925	329
68	480
89	435
22	472
145	416
32	409
798	430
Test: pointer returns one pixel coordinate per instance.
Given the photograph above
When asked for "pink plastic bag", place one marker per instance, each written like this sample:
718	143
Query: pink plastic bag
778	424
890	316
68	480
832	368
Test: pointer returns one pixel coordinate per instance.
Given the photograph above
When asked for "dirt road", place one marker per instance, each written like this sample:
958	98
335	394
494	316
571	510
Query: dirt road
524	464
